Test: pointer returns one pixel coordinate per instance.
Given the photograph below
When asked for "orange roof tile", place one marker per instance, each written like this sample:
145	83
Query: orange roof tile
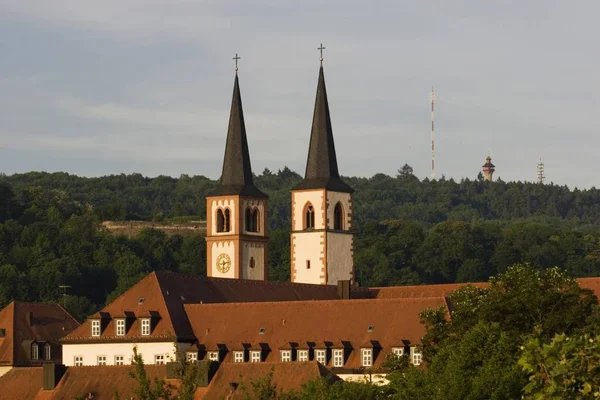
286	376
337	321
166	293
21	383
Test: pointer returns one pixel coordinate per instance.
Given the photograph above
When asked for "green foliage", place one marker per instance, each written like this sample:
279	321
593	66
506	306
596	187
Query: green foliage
568	367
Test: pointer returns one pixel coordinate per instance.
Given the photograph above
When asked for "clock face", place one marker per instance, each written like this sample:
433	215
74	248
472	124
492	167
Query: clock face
223	263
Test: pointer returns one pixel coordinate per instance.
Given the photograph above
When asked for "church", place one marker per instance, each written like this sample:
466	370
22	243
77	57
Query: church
235	314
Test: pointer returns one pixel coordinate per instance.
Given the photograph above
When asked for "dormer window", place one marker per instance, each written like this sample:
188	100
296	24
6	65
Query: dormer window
255	356
238	356
120	326
47	352
366	357
309	217
338	357
145	326
192	356
286	355
35	351
213	356
95	327
321	356
302	355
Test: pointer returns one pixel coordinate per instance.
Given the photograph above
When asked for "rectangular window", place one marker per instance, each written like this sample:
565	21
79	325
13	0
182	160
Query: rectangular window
417	356
47	351
367	357
255	356
119	360
302	355
307	264
213	355
398	351
95	327
238	356
101	360
145	326
338	358
192	356
120	327
286	355
320	355
159	359
78	361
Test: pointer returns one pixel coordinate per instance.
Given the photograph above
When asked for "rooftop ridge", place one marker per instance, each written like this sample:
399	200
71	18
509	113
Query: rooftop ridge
309	302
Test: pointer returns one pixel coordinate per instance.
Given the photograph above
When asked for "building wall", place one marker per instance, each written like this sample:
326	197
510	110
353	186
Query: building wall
308	246
346	201
4	370
218	248
340	260
258	252
90	352
299	200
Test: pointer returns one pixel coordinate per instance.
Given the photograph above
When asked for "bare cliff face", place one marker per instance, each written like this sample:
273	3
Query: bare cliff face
132	228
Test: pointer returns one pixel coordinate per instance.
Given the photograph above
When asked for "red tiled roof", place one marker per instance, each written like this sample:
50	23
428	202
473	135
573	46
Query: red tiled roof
301	322
50	323
166	293
286	377
21	383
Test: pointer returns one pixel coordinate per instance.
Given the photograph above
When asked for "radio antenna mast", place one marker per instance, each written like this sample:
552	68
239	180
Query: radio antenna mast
432	134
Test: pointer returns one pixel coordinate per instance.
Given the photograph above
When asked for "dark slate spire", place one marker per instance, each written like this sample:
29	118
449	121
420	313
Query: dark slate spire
236	178
321	167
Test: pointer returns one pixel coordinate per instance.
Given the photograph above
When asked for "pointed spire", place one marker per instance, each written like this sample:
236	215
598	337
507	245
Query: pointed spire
236	178
321	167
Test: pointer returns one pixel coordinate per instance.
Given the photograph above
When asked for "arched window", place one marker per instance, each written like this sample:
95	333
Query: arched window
249	218
35	351
252	262
256	219
220	221
47	351
223	224
309	216
338	217
252	220
227	221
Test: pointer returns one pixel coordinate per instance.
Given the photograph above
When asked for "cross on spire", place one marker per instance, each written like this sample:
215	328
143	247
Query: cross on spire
321	50
236	58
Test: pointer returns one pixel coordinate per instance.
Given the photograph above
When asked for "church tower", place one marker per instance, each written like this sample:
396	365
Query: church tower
322	238
236	211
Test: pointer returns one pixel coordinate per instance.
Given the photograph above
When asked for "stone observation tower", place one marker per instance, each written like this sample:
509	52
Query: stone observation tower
488	168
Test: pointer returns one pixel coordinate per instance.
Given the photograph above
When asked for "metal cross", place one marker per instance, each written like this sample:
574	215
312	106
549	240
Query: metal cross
236	58
321	49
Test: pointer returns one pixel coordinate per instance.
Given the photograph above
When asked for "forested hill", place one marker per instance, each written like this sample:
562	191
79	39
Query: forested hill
381	197
407	232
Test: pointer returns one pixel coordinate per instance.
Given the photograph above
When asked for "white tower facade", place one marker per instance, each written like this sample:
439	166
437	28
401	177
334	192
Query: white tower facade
322	215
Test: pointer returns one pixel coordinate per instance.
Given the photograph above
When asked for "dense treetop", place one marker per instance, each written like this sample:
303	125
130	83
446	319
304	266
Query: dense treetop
407	231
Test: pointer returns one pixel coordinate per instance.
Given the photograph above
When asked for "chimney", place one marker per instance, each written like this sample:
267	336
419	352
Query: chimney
30	318
52	374
344	289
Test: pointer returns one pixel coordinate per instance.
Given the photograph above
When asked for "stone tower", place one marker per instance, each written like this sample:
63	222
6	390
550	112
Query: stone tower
321	237
488	169
236	211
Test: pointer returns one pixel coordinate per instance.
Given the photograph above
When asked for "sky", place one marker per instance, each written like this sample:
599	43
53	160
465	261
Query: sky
119	86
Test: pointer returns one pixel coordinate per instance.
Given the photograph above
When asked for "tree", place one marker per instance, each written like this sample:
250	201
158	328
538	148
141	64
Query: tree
568	367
